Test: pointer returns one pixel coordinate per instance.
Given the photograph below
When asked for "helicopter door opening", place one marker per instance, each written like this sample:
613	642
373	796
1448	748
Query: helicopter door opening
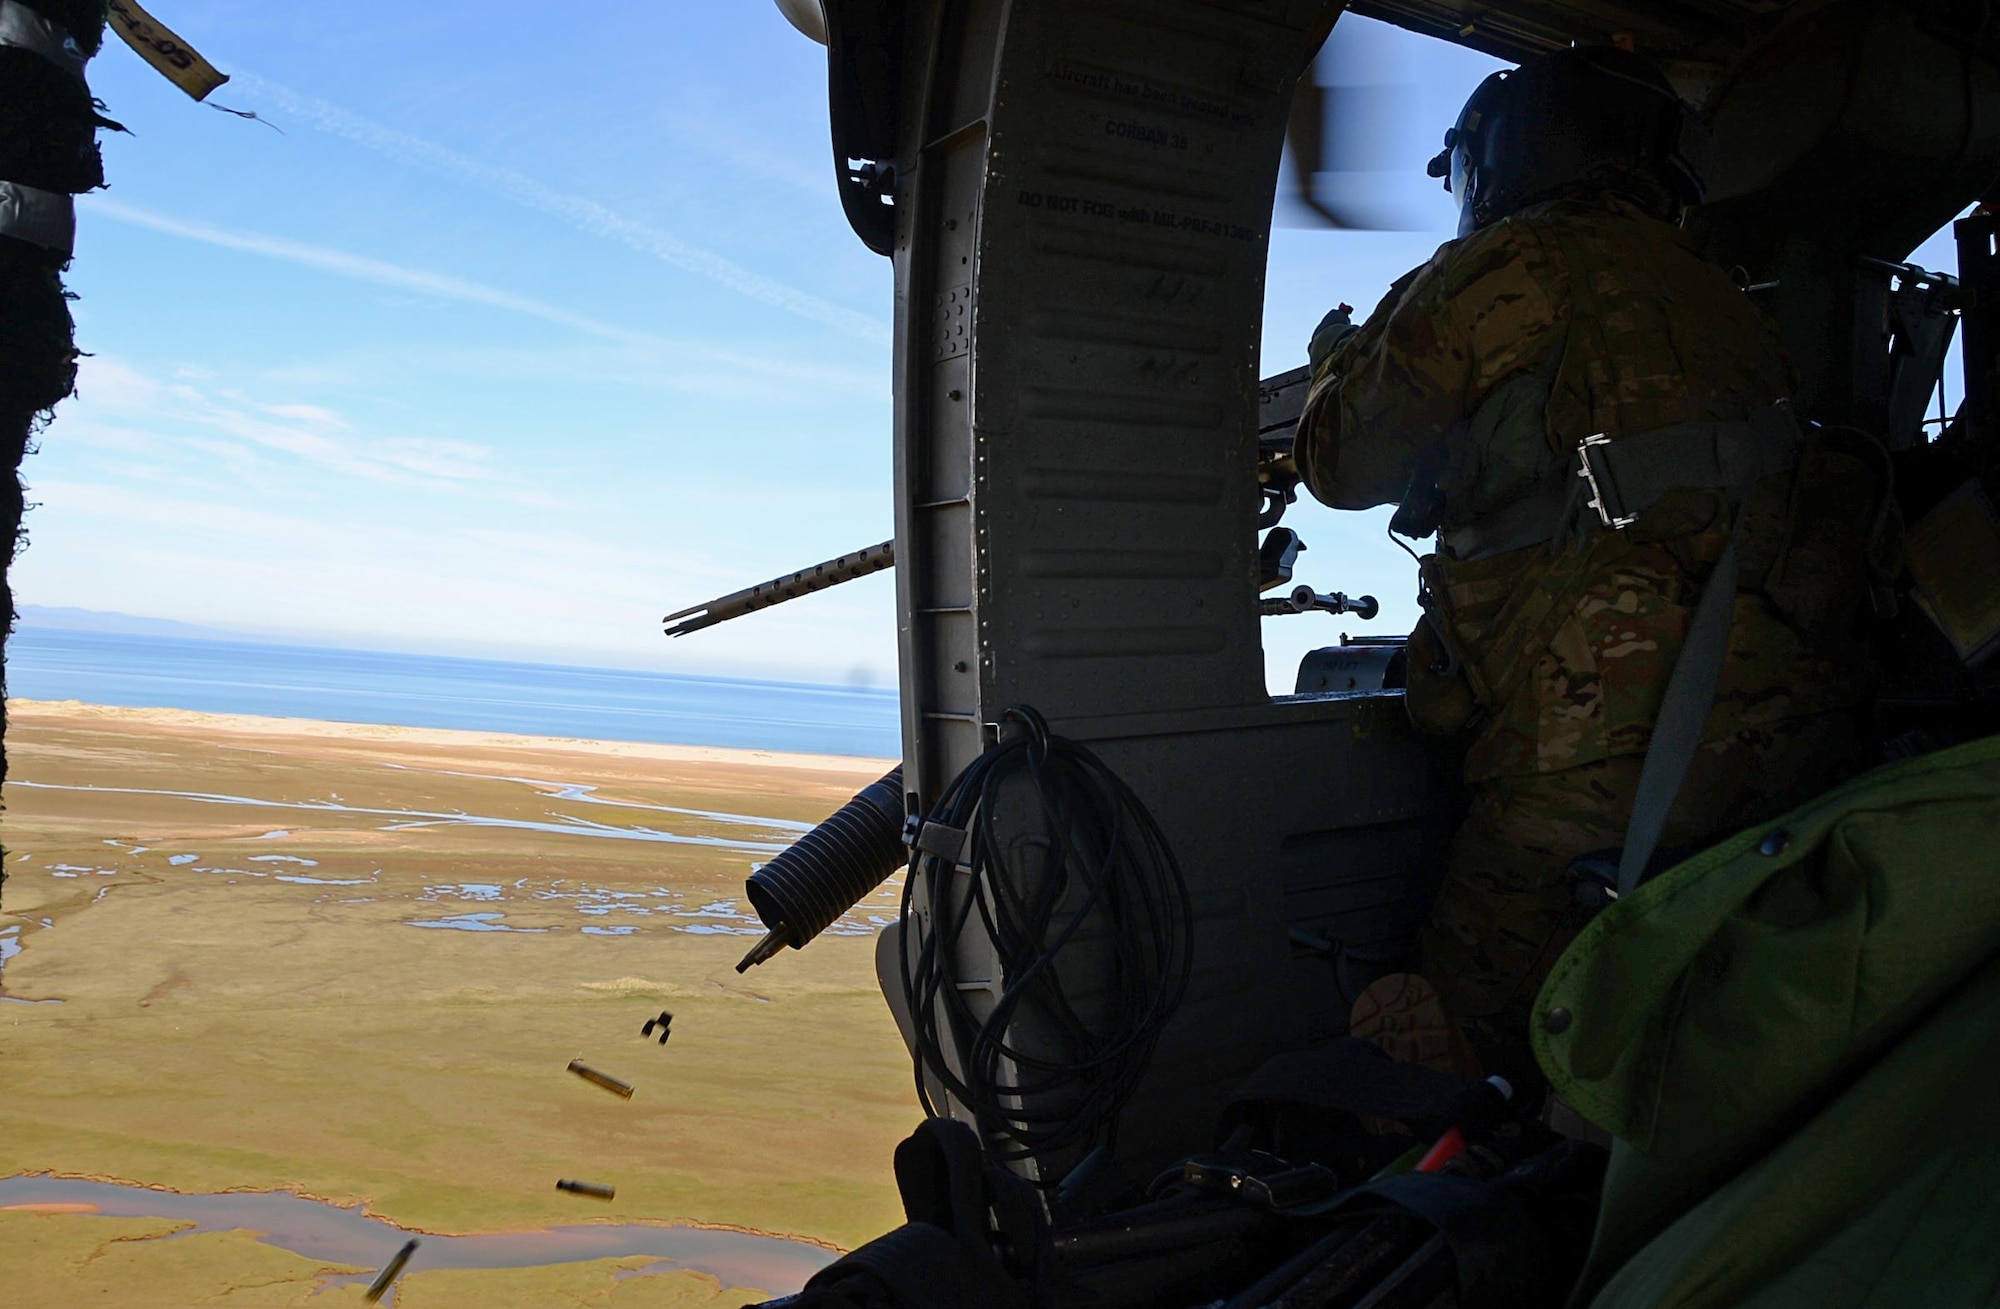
1082	203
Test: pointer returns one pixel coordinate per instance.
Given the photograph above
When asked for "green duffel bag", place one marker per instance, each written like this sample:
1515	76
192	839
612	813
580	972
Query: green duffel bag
1795	1039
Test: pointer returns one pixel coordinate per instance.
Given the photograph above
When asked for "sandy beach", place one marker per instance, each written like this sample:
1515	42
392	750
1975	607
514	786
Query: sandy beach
352	962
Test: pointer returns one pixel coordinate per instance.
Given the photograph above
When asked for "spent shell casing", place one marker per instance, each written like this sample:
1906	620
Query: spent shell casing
595	1190
605	1080
390	1271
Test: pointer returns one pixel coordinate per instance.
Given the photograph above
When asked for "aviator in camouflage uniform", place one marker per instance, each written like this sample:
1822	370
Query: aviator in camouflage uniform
1566	319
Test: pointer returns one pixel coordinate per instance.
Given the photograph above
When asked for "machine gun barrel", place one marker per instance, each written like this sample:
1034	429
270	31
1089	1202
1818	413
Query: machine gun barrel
780	589
1279	402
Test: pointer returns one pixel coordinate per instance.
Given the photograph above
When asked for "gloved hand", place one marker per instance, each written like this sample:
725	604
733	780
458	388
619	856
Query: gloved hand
1336	327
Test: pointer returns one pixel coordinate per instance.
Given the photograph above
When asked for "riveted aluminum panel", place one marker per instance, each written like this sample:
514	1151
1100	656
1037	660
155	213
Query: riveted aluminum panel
1083	219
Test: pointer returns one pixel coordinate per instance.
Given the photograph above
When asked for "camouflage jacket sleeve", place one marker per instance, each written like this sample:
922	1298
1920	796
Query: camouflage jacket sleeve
1479	311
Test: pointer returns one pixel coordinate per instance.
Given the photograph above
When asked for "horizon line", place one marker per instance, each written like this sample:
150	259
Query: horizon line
203	635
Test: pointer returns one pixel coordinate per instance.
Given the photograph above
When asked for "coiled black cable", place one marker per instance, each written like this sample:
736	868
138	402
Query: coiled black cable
1088	914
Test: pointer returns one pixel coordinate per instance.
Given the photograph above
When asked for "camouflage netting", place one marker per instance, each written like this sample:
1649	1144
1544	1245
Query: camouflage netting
48	140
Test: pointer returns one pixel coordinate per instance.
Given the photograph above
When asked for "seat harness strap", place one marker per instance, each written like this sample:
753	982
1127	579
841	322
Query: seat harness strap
1623	478
1614	480
1684	710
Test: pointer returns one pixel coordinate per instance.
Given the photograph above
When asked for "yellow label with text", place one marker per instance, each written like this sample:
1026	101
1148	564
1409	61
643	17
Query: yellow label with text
176	60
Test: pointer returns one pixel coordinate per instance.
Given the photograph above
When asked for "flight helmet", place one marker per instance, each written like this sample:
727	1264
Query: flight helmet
1583	119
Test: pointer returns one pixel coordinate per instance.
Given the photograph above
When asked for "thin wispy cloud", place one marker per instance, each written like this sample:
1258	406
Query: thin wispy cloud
366	269
727	142
583	214
694	363
692	368
194	427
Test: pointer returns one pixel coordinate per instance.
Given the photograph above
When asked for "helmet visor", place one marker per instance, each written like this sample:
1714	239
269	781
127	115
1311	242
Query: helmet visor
1464	185
1460	182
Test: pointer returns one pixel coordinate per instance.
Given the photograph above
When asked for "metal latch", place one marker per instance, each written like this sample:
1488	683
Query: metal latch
1604	497
1261	1179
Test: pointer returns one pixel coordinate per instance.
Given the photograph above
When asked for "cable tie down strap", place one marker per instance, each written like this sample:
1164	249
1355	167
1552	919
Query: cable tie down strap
24	29
941	839
43	218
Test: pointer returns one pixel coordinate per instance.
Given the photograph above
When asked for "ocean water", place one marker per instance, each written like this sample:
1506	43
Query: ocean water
487	695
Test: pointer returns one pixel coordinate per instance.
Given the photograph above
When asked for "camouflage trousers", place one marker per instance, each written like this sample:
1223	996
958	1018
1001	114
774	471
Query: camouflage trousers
1506	910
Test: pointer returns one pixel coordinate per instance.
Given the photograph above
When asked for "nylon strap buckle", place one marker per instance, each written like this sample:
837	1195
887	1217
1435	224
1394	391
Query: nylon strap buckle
1595	469
1262	1179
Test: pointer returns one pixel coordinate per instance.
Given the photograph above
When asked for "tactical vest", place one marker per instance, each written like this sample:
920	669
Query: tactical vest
1500	486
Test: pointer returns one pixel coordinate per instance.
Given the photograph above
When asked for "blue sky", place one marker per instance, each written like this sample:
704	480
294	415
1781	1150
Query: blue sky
530	325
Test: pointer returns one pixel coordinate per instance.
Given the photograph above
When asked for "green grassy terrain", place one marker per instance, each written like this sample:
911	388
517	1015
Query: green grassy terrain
225	1030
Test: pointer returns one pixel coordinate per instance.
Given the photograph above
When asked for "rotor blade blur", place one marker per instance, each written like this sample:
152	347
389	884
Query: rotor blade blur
1347	141
1305	146
791	586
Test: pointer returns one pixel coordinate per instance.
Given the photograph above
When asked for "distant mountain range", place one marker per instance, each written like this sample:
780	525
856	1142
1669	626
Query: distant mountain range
63	618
